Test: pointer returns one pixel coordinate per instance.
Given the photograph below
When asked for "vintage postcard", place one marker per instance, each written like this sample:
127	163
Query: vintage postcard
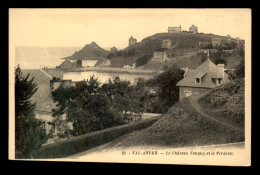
149	86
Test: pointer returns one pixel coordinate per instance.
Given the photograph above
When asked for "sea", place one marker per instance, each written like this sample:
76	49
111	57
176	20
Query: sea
50	57
39	57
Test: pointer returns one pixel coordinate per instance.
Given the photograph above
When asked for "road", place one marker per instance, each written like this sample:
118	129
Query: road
194	102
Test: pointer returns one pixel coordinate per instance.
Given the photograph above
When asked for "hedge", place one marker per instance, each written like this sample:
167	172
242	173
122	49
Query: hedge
84	142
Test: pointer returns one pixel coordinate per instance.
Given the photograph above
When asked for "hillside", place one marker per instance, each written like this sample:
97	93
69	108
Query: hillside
183	126
186	42
89	52
185	45
227	102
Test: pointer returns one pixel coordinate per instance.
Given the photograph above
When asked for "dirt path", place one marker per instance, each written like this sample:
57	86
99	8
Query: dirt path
194	102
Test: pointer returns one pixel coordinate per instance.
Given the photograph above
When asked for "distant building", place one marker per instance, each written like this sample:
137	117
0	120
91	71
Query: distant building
167	43
132	41
43	99
216	41
55	83
174	29
203	78
228	36
103	63
113	49
208	50
160	55
193	29
239	41
129	67
204	44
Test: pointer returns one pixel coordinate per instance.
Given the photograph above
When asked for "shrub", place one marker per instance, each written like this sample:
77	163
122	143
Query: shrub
84	142
30	133
143	60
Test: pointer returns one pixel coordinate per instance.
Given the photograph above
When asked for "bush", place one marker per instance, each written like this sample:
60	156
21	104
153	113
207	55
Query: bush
240	69
167	91
30	133
143	60
84	142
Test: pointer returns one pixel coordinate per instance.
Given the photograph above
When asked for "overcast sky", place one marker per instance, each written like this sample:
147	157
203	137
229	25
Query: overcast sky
113	27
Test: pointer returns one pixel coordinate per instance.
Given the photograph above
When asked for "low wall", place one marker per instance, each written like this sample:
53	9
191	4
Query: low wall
54	72
84	142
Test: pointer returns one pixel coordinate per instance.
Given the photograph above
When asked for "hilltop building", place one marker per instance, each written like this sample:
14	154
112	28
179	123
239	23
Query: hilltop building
132	41
228	36
113	49
167	43
203	78
174	29
193	29
159	55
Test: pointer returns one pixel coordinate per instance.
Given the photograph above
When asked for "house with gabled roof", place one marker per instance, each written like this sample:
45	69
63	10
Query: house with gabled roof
205	77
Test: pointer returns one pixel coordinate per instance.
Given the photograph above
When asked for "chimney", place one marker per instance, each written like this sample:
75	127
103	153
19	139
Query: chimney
221	69
185	69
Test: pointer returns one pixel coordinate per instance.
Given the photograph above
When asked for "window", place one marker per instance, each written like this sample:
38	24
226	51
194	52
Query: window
197	80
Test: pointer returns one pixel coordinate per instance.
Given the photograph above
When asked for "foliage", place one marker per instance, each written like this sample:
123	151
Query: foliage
229	100
240	69
242	52
30	133
142	60
209	46
88	141
91	107
167	91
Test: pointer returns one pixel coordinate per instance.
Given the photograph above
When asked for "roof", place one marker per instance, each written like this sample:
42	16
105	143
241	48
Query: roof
206	71
174	27
42	97
193	26
200	74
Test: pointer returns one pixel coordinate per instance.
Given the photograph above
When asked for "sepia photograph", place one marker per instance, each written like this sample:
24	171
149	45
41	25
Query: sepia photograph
148	86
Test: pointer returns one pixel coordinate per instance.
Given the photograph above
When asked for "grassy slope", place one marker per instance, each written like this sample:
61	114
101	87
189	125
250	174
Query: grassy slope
181	126
227	103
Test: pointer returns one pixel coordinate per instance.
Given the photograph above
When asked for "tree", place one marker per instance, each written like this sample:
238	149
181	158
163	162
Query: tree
30	133
142	60
242	52
240	69
92	107
167	91
127	100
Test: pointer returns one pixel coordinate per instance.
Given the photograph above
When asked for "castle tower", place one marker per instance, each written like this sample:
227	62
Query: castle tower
132	41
